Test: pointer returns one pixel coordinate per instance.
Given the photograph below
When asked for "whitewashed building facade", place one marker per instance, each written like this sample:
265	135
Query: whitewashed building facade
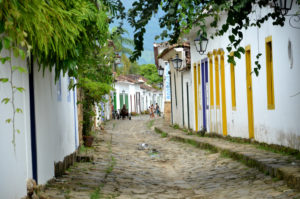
177	83
48	127
133	91
232	100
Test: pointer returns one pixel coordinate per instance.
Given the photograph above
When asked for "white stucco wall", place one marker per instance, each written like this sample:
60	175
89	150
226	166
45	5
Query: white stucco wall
55	125
146	96
15	167
182	78
278	126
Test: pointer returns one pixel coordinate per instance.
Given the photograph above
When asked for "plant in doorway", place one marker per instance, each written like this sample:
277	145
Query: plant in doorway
88	139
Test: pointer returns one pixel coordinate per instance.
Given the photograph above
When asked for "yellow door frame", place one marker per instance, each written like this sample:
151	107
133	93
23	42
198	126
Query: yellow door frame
196	97
223	92
211	80
217	78
199	86
249	91
211	88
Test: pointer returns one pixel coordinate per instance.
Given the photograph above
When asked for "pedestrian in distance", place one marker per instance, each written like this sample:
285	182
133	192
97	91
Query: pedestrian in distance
157	110
152	111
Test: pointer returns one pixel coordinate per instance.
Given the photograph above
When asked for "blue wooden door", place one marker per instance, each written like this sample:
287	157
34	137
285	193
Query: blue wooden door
204	72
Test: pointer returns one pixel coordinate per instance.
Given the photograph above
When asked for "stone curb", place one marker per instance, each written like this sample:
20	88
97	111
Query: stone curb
280	169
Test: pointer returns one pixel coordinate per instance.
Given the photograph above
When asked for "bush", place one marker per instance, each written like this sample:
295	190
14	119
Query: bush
134	113
146	112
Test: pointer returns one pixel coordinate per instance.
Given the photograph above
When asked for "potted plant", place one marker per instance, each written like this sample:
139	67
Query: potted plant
88	139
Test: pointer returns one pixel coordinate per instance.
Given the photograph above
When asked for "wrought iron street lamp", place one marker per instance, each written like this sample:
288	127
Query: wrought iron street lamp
160	71
201	44
160	85
284	5
177	62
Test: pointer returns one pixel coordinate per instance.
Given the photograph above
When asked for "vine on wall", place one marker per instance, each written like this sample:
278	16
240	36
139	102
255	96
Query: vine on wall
58	34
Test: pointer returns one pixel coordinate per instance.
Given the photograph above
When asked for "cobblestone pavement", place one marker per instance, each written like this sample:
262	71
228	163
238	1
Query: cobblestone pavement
166	169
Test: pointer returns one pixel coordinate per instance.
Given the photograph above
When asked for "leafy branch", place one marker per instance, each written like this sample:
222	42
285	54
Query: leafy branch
180	16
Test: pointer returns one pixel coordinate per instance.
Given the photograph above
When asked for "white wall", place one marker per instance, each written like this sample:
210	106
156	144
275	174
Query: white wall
131	89
120	86
182	77
278	126
15	167
56	126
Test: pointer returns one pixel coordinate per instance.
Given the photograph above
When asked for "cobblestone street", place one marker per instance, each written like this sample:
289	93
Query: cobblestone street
122	168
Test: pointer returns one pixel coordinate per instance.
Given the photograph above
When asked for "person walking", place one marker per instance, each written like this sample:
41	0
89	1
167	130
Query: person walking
152	111
157	110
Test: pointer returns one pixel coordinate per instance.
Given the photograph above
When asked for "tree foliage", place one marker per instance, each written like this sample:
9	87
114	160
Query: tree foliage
180	16
68	35
149	71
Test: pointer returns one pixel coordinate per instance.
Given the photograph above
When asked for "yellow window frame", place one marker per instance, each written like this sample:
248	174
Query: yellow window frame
269	73
233	91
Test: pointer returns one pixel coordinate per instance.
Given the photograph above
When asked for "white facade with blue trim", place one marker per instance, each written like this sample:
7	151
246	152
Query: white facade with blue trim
49	115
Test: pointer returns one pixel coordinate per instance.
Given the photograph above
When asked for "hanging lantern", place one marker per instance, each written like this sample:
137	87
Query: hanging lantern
177	62
284	5
201	44
160	71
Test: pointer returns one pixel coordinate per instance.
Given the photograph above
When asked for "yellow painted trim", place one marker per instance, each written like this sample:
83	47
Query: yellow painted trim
209	54
268	39
211	82
269	73
249	91
199	77
217	81
233	88
221	51
199	87
223	92
196	97
215	52
248	48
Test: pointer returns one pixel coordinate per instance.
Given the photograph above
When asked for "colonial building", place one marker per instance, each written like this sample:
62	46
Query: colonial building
45	127
232	100
177	82
133	92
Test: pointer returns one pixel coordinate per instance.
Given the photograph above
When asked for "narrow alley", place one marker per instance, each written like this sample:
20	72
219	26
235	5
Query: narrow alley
124	167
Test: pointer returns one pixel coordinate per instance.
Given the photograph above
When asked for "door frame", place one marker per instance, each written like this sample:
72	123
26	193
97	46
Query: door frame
33	123
223	92
204	81
249	91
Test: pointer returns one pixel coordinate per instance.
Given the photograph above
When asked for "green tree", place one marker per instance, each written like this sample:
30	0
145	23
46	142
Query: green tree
134	68
149	71
68	35
126	64
180	16
122	43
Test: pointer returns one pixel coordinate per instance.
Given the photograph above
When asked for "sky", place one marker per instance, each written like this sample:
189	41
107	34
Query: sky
152	29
